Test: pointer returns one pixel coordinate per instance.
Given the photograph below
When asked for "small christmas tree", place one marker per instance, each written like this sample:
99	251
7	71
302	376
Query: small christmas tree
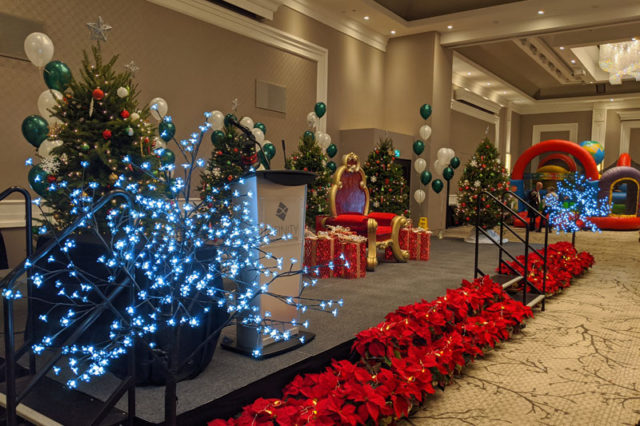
388	188
101	125
310	158
577	201
483	172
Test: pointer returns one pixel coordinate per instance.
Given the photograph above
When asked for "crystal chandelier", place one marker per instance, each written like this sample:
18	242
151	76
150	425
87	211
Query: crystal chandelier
620	60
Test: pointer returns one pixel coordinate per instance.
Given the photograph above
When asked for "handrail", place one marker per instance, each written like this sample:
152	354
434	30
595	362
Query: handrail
9	282
486	196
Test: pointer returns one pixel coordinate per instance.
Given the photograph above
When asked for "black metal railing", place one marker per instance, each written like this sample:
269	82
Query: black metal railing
11	355
506	212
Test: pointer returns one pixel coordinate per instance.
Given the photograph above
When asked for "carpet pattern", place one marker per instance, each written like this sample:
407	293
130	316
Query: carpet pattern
576	363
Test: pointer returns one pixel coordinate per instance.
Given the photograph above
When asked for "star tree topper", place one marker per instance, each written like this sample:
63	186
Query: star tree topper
98	29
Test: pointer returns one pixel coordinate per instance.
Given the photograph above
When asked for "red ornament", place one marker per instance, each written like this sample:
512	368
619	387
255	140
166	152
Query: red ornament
218	152
124	114
386	181
98	94
51	178
106	134
229	178
235	150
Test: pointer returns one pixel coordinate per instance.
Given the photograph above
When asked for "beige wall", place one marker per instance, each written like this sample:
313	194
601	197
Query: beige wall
612	148
634	144
515	138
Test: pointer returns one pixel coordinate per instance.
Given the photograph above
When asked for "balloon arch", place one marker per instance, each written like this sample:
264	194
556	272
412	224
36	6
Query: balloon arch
553	145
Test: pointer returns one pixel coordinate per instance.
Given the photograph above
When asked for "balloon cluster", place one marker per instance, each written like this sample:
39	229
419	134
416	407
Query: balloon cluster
219	121
323	139
420	165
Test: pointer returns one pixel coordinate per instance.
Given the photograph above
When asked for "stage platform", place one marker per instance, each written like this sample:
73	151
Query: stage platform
233	380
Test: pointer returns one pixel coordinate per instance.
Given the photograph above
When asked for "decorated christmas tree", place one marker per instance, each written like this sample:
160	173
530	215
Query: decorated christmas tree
310	158
387	186
483	172
99	129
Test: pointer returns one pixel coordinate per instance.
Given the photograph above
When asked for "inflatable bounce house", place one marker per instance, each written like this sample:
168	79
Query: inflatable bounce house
619	184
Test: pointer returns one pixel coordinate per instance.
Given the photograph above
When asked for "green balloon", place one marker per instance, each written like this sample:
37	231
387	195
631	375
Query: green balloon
332	150
320	109
447	173
425	177
269	150
331	166
437	185
217	137
167	130
57	75
455	162
167	157
227	119
425	111
260	126
38	180
309	135
35	129
418	147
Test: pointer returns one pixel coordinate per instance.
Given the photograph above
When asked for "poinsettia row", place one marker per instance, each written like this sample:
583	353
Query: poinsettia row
417	347
563	263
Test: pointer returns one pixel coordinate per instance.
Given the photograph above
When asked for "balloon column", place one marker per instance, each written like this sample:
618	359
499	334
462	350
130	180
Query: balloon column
323	139
420	165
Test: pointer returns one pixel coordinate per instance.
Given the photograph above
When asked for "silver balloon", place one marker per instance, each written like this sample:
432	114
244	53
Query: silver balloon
419	165
425	132
246	122
419	196
45	148
46	101
158	108
217	120
39	49
312	120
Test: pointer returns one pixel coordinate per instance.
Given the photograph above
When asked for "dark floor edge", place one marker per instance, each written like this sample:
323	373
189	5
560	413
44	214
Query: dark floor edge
268	387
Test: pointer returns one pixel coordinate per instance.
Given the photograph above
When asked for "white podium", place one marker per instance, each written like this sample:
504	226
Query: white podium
279	202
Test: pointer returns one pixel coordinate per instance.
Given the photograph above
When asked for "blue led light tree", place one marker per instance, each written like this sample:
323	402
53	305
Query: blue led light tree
576	202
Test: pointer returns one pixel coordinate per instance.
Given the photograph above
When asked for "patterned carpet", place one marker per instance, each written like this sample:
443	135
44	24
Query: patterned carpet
577	363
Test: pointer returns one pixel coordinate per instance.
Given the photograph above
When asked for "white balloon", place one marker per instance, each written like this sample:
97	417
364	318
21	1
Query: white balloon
419	196
445	155
425	132
44	150
437	168
46	101
39	49
257	133
312	120
217	120
246	122
419	165
323	139
158	108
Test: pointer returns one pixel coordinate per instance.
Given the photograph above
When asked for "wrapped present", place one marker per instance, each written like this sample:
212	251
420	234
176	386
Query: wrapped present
354	249
340	230
419	244
319	251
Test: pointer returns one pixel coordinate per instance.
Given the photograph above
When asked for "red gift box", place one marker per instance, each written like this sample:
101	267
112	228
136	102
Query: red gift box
319	251
403	242
354	249
419	244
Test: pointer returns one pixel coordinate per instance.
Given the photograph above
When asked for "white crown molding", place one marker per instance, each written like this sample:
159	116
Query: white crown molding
472	98
338	22
263	8
231	21
629	115
572	128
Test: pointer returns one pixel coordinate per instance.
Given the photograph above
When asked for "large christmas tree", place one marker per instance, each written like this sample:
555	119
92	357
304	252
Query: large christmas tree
310	158
101	125
483	172
388	188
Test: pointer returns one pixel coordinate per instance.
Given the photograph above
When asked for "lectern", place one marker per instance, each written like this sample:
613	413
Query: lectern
279	201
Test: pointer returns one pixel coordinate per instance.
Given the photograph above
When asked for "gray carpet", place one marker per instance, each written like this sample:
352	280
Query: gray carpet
367	300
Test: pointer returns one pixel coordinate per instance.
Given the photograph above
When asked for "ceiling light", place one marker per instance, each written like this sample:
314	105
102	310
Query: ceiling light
633	39
469	73
488	84
573	61
449	27
620	60
393	32
611	99
366	18
541	12
561	47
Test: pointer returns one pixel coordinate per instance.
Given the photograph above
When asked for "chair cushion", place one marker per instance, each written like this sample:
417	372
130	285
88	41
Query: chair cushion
383	219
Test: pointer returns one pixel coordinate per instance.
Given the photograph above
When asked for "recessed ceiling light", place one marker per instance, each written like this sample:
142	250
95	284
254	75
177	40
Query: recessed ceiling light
366	18
504	92
611	99
466	89
469	73
449	27
488	84
573	61
561	47
633	39
393	31
541	12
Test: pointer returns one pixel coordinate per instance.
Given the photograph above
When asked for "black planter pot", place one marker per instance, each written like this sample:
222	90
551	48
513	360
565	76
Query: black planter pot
178	350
